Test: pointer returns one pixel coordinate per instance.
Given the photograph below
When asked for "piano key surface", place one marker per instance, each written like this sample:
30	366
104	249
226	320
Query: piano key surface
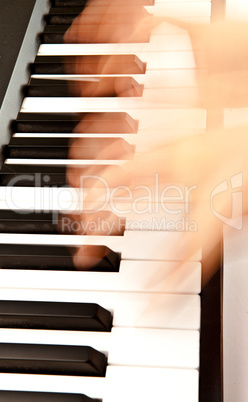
72	316
120	383
129	309
133	245
12	396
145	347
134	276
151	79
148	394
51	359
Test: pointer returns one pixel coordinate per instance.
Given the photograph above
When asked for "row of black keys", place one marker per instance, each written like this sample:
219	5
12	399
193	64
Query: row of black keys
64	12
52	359
57	148
67	316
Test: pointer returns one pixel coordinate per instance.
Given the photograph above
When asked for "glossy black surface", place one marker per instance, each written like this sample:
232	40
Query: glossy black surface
51	359
18	396
48	257
54	315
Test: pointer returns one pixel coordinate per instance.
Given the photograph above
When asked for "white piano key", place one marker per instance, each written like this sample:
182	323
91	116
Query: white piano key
159	202
143	347
41	198
154	385
168	199
155	60
121	384
133	276
157	43
137	216
234	117
94	387
186	10
64	162
151	99
146	245
129	309
129	2
178	1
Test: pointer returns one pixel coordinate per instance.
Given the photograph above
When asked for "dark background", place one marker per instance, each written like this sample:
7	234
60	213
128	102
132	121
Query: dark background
14	18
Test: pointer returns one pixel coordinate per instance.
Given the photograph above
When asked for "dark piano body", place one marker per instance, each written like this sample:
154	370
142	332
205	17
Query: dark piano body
14	19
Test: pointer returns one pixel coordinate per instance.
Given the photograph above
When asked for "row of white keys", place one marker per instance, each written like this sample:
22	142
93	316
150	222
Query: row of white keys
133	245
129	309
121	384
133	276
144	347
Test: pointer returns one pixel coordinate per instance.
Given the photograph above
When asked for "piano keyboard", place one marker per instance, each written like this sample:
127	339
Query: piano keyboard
152	350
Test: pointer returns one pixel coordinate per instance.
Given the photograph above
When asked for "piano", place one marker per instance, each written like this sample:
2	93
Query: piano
162	345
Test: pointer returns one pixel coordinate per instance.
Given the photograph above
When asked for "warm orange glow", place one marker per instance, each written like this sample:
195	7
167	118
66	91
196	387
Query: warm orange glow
201	161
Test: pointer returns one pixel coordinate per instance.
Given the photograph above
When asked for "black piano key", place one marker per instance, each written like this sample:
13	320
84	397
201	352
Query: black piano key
46	122
54	34
114	122
25	396
55	222
52	37
94	64
52	359
58	148
66	15
39	142
70	10
41	175
63	15
54	315
47	257
106	86
33	175
31	222
77	3
68	3
58	88
36	152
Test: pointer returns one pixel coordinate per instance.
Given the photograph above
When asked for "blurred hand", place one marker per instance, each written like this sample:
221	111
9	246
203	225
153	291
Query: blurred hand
196	166
200	163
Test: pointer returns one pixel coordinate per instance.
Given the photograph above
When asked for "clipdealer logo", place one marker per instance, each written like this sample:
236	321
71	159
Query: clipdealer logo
235	183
